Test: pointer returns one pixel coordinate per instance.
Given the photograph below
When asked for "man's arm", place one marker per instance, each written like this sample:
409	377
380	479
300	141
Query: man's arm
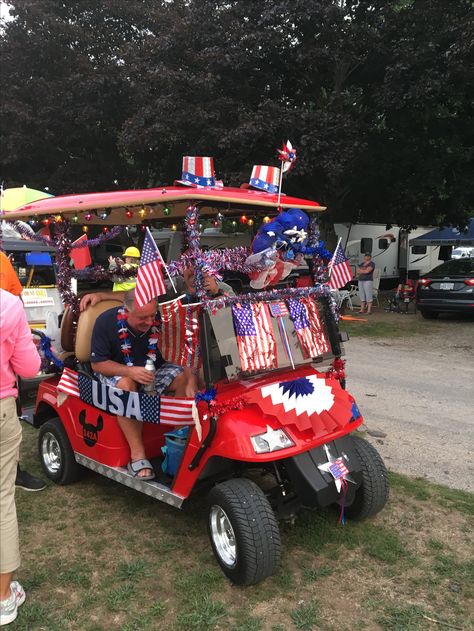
109	368
25	360
92	299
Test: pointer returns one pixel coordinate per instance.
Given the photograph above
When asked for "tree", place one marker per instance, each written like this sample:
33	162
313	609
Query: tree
64	93
377	98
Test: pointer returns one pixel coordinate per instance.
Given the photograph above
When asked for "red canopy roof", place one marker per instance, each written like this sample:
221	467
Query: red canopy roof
227	200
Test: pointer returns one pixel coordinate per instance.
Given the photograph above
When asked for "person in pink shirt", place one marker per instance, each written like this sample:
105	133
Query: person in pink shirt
18	356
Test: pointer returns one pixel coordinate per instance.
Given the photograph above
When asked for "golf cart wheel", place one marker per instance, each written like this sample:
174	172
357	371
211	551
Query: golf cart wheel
372	495
428	315
243	531
56	454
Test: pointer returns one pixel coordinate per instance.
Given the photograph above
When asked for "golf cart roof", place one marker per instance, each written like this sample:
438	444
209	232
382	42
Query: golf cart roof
151	203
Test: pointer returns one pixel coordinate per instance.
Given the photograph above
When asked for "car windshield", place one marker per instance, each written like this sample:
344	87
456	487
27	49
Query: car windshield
456	267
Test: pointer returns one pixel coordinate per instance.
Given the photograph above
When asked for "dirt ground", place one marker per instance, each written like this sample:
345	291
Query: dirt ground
416	393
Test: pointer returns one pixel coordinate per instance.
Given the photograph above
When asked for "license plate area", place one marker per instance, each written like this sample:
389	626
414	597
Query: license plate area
446	285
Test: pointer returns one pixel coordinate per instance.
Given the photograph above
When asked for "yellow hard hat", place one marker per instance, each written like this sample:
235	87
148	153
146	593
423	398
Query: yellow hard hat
132	251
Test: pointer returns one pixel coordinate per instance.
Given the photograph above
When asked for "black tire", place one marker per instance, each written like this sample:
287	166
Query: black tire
372	495
243	531
429	315
56	454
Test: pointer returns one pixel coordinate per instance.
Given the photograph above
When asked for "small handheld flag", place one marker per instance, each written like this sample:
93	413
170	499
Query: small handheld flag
340	272
80	256
150	280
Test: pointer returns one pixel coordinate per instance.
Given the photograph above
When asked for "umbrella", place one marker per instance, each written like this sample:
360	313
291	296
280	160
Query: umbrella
13	198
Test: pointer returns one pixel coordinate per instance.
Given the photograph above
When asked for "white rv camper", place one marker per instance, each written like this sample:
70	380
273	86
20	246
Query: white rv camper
389	248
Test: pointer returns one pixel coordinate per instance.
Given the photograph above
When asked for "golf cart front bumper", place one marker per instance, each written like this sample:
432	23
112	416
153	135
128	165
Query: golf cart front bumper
314	485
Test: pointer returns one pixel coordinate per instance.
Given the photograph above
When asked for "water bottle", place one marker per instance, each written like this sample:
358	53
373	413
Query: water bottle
149	388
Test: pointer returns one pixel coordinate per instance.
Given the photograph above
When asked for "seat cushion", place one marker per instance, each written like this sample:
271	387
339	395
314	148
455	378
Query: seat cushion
85	327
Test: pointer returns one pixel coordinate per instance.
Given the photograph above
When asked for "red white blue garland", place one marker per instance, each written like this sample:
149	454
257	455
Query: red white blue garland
124	337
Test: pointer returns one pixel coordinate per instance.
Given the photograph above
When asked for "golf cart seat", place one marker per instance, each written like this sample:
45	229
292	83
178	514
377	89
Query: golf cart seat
68	331
85	327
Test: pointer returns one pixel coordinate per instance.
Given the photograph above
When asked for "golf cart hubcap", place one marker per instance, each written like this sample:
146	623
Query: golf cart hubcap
51	452
223	536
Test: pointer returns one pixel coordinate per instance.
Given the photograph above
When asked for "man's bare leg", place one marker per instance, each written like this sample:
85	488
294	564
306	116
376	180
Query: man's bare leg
185	384
133	430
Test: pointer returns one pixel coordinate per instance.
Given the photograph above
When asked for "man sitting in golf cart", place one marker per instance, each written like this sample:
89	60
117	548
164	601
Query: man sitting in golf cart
123	340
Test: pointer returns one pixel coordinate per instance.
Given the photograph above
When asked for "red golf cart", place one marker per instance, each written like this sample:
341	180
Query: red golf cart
263	440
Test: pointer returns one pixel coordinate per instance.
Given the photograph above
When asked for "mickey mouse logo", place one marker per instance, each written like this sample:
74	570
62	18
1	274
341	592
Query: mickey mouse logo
90	432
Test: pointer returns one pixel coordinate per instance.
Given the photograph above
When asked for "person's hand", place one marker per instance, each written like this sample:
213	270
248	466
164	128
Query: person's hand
189	277
89	300
210	285
111	259
141	375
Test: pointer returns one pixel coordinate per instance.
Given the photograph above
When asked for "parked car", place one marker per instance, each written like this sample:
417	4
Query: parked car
462	253
448	287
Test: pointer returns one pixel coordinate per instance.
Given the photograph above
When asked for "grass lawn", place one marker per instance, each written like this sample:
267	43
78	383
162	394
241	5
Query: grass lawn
399	325
99	556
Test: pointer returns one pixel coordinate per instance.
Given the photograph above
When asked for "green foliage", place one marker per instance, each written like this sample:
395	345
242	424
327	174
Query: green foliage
377	98
306	617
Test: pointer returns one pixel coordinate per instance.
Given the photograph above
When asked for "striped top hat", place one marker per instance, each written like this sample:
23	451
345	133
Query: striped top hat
265	178
198	172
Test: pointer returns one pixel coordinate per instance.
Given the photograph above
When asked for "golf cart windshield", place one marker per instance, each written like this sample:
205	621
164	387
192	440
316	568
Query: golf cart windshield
234	353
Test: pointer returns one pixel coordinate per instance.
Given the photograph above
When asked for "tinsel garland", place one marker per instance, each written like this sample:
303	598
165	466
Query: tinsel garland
232	259
93	243
64	273
218	409
193	243
45	345
337	369
97	272
28	233
319	267
262	296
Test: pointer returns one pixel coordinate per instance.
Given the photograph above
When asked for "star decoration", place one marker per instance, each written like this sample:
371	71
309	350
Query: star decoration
296	236
326	468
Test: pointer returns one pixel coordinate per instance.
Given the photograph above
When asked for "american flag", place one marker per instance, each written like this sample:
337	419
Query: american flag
150	281
68	382
340	270
153	409
278	309
254	332
338	469
175	411
179	337
305	316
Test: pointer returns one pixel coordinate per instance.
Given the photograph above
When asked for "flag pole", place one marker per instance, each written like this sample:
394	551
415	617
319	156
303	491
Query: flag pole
162	261
279	186
333	256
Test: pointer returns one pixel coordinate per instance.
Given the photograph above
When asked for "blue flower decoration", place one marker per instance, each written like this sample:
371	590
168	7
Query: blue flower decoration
298	387
207	395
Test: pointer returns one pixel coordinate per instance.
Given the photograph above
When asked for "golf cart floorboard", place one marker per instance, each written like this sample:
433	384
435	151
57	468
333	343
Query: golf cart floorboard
158	488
